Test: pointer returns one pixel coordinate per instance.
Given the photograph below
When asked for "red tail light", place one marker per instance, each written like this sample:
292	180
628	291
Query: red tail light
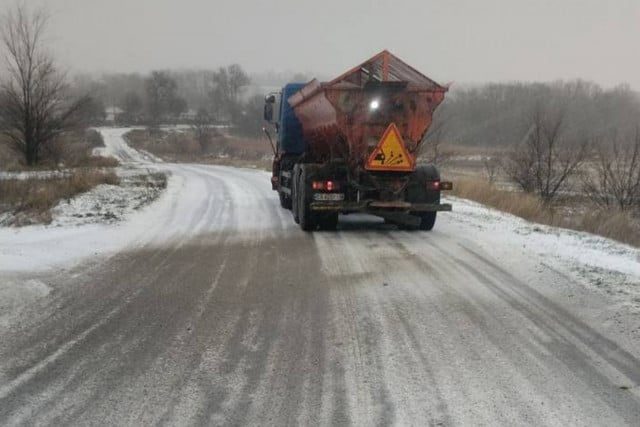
325	185
433	185
439	185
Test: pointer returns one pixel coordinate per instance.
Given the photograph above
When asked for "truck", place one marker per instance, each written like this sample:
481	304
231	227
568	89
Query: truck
350	146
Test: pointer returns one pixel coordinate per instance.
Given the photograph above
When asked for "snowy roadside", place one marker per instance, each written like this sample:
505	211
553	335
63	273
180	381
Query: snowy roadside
103	219
596	262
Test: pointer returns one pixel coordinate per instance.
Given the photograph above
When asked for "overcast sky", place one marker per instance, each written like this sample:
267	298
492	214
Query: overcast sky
452	40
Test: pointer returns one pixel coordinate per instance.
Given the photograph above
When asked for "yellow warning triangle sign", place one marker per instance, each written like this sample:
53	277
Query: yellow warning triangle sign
390	154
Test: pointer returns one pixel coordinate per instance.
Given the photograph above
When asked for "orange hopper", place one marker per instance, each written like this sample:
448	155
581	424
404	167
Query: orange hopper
347	117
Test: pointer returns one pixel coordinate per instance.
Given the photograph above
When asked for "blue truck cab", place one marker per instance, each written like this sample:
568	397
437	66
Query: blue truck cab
290	137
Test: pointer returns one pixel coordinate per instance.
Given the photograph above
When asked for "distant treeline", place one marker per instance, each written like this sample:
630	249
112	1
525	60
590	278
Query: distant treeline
484	114
228	95
500	114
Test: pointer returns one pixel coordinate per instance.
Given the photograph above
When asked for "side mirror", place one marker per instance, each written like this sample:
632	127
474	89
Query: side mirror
269	100
268	112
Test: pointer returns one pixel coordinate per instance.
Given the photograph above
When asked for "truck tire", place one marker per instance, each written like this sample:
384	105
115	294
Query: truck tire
417	193
427	221
295	196
285	200
308	220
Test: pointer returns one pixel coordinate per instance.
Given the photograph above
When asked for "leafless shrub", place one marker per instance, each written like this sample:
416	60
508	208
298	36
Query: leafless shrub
616	177
545	160
491	166
201	128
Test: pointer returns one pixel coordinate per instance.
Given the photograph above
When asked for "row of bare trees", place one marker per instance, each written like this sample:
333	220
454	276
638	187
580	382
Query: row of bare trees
574	137
548	161
551	160
222	100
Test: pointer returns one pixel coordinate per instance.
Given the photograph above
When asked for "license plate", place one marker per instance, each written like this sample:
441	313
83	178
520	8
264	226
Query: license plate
328	197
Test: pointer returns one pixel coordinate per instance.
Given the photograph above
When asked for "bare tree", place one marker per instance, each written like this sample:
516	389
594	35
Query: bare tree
432	147
615	180
160	88
201	127
132	107
545	160
491	165
163	100
228	84
34	108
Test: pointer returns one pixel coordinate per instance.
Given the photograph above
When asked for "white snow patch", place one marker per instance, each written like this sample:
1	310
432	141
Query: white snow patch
602	263
107	203
45	174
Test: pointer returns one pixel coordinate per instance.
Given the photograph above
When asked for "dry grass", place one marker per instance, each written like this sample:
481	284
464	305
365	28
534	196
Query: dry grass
30	200
182	146
97	162
617	225
524	205
71	150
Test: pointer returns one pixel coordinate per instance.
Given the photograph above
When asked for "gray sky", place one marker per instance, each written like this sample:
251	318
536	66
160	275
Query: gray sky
453	40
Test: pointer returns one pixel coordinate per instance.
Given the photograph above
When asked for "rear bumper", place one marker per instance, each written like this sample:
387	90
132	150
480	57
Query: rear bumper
376	206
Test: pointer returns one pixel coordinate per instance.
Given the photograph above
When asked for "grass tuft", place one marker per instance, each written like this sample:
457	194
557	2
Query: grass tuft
30	200
610	223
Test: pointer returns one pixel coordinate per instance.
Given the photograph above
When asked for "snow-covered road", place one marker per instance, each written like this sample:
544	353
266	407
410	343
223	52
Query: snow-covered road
212	307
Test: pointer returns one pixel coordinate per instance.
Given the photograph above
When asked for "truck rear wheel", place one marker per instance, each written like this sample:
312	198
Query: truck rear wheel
417	192
285	200
427	221
295	197
308	220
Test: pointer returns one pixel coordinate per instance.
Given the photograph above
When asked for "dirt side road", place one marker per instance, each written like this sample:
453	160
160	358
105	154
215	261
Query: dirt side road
246	320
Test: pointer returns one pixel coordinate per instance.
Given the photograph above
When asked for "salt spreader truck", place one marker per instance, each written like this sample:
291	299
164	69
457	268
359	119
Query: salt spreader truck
350	145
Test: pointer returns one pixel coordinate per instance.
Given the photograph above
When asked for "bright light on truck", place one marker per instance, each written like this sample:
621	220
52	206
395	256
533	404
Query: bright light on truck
374	104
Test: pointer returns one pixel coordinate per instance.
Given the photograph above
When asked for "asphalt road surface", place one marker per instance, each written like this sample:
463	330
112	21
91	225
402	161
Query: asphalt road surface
228	314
